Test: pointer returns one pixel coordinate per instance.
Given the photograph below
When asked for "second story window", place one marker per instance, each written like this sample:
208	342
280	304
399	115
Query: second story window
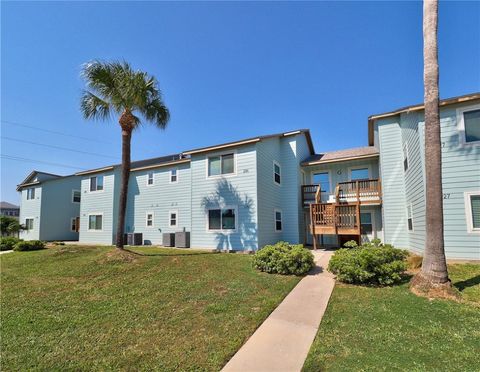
173	176
405	157
359	174
410	217
472	126
149	178
277	176
322	179
96	183
31	193
222	164
76	196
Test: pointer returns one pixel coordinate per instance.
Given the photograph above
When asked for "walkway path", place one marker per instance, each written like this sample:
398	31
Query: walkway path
282	342
3	252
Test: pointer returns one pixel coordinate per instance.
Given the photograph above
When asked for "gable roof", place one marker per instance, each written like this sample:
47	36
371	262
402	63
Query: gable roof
246	141
342	155
7	205
29	180
417	107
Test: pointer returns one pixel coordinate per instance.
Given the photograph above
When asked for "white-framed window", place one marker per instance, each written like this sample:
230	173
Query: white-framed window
96	183
323	179
31	193
410	217
222	219
149	219
76	196
472	211
73	224
29	223
468	119
359	173
366	223
95	222
405	157
173	218
277	173
173	175
150	179
277	215
219	165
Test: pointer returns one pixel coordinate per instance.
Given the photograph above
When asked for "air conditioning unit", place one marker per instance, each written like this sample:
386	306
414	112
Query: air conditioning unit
182	239
168	239
133	239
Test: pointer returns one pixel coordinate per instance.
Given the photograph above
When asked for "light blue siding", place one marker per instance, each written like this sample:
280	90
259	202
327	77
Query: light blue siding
31	209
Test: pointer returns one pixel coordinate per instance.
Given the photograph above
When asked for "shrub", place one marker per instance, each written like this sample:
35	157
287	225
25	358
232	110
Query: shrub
58	243
283	258
32	245
8	243
350	244
369	264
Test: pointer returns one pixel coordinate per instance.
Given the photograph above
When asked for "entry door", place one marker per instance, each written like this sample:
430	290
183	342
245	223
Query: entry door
366	227
77	224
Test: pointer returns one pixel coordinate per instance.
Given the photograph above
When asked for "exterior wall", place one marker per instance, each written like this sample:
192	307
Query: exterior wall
58	209
31	209
159	199
237	190
101	202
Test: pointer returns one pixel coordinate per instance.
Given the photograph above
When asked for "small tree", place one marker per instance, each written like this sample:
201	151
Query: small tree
10	226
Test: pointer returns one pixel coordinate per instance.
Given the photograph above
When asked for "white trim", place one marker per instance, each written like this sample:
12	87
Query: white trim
176	174
213	155
33	223
469	212
372	218
146	219
280	174
34	193
275	210
461	124
170	218
148	178
74	219
303	176
356	167
223	231
88	221
413	224
90	183
73	193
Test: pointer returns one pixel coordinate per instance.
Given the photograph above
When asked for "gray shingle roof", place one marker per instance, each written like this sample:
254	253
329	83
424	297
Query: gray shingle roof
8	205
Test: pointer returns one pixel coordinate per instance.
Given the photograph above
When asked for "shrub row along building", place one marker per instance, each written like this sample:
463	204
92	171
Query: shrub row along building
246	194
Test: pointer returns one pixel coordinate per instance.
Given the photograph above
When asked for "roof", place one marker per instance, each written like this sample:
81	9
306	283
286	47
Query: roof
7	205
417	107
27	181
342	155
246	141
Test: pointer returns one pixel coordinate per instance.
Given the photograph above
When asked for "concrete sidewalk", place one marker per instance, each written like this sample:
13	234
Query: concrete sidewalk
283	340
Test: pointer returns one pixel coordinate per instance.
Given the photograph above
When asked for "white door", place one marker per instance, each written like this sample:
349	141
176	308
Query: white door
367	228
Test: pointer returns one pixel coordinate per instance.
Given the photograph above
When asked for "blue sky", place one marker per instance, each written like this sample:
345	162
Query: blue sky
228	70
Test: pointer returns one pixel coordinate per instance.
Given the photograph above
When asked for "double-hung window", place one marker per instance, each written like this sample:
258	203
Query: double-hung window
76	196
96	183
410	217
471	120
173	217
31	193
95	222
405	157
472	209
29	223
149	219
366	223
221	164
150	179
73	225
278	220
173	175
277	173
222	219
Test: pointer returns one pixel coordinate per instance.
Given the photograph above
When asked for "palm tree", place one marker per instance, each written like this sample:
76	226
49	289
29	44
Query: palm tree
134	96
434	272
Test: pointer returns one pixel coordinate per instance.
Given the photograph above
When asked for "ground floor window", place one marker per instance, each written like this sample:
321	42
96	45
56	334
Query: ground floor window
278	220
173	218
29	223
472	208
73	225
95	222
410	217
366	223
149	219
222	219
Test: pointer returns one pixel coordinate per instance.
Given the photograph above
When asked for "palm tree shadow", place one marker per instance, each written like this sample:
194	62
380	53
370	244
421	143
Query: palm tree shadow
467	283
245	235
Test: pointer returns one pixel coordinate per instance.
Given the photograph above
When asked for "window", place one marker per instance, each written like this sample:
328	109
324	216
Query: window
405	157
322	179
173	218
277	177
149	219
472	209
73	225
359	174
95	222
173	176
278	220
149	178
29	223
366	223
76	196
410	217
222	164
31	193
221	219
96	183
471	121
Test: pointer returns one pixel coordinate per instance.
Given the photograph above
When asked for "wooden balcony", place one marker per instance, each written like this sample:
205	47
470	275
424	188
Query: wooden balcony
335	219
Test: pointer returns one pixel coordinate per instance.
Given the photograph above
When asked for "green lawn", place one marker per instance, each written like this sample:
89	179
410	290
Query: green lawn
390	329
68	308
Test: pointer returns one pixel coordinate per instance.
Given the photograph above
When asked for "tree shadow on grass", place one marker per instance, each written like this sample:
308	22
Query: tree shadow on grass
467	283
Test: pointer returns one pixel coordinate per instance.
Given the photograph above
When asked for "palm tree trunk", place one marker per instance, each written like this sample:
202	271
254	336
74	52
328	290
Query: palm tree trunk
434	266
122	205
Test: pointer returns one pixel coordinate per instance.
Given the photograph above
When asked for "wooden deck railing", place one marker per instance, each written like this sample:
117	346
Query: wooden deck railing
363	191
308	194
330	218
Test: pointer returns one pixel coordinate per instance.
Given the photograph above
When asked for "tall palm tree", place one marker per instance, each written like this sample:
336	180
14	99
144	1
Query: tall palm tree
434	272
134	96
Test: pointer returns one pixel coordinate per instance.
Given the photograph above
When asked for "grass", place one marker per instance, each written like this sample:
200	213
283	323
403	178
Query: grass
385	329
71	308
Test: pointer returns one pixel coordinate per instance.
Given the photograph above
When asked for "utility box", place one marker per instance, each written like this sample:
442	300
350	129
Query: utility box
168	239
133	238
182	239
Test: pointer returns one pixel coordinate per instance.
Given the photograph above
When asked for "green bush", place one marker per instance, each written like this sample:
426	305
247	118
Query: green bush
350	244
284	258
369	264
32	245
8	243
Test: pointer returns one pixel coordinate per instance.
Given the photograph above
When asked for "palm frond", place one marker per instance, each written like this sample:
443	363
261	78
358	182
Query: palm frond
93	107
